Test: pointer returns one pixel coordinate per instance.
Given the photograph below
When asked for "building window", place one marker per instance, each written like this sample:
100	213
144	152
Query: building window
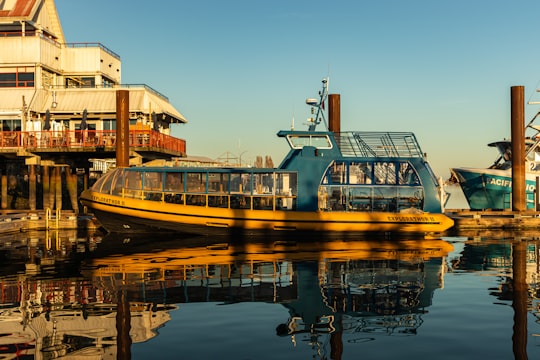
107	83
11	125
17	80
81	82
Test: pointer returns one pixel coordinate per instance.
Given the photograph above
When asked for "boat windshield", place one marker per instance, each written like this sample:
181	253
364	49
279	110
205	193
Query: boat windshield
319	141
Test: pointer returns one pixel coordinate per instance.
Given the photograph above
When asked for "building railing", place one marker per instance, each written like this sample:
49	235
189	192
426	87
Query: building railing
92	45
76	139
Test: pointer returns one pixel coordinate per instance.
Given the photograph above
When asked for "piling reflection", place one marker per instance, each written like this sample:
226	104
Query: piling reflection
514	259
66	293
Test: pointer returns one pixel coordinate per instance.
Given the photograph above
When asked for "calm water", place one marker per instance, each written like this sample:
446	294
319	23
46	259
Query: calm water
85	296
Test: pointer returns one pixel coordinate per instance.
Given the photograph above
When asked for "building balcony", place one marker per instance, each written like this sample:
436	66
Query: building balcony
99	141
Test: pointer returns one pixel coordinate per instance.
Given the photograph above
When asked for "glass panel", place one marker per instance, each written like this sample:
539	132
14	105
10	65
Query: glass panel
218	182
174	181
407	175
410	197
196	182
221	201
338	173
286	190
384	198
385	173
199	200
118	184
236	183
107	184
360	198
321	142
298	142
264	183
360	173
318	141
153	180
99	182
133	180
240	202
337	198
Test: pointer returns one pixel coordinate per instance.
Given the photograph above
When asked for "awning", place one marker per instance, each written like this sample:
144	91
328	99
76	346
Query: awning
103	101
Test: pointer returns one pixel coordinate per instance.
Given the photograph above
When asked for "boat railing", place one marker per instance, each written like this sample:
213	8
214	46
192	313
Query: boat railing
77	139
378	144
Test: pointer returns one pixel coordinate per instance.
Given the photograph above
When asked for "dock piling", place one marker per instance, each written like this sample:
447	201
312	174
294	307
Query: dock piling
518	148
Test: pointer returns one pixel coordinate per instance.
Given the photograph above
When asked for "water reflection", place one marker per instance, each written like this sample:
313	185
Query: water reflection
64	293
71	293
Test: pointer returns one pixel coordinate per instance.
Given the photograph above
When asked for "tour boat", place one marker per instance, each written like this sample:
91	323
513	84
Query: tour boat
330	182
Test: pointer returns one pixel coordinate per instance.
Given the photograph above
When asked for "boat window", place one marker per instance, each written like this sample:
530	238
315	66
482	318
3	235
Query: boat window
107	184
174	181
133	180
336	198
98	185
240	182
218	182
286	183
360	173
337	173
318	141
385	173
240	202
407	175
360	198
118	182
196	182
263	183
153	180
221	201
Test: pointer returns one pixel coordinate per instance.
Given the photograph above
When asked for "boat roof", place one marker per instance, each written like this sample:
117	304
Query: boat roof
364	143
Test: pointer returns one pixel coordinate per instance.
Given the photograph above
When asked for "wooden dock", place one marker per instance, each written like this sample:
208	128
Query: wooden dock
11	222
465	219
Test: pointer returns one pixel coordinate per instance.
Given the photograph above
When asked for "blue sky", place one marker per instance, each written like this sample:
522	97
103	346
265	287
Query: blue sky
239	70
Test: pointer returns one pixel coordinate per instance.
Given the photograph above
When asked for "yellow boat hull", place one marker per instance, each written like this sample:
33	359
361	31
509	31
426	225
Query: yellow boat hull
129	214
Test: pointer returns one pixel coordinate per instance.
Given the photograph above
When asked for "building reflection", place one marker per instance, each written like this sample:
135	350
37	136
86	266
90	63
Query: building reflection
67	294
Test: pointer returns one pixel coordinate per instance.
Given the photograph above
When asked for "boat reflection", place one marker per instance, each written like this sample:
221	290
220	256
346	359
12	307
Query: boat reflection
67	294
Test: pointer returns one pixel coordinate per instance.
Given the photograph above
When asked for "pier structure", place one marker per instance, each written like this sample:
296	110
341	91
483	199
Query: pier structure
58	111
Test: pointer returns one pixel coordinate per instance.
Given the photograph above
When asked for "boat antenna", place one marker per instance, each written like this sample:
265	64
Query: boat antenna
320	115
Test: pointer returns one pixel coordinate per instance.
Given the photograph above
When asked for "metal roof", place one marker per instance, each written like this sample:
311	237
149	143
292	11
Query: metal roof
19	8
93	100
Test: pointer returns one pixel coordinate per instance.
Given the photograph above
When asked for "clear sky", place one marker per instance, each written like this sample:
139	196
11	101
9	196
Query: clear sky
240	70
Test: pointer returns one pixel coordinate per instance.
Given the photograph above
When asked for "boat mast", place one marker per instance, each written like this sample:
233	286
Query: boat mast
319	105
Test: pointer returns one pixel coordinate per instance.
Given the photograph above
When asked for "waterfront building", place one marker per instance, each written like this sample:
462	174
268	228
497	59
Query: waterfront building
58	109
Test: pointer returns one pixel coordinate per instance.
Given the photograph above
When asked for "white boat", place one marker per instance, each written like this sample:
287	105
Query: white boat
491	187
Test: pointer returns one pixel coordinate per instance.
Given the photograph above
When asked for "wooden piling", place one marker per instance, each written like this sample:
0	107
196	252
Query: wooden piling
71	182
4	190
518	148
122	128
45	181
32	187
58	186
334	113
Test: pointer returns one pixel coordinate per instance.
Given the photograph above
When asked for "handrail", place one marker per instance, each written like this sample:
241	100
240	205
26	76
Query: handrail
76	139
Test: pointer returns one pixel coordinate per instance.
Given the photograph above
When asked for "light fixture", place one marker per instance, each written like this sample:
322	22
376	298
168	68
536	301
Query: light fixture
54	103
